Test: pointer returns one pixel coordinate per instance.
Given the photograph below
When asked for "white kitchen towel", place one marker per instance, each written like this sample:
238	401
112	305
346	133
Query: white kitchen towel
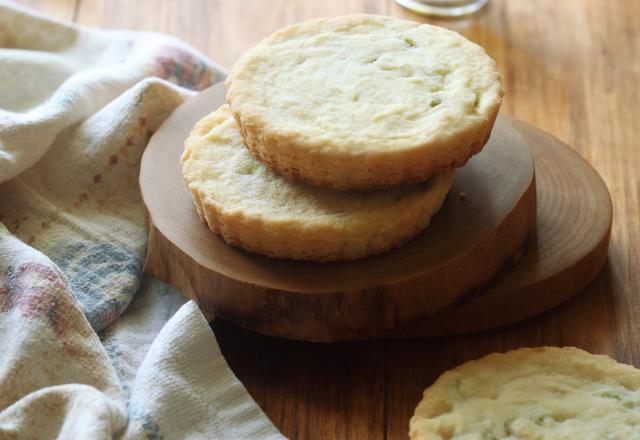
89	347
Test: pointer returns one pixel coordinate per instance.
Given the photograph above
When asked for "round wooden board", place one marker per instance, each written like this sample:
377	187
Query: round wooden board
444	281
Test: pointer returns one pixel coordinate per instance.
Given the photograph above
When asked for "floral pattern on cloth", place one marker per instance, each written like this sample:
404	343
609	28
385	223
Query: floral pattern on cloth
182	68
92	226
89	346
92	269
34	290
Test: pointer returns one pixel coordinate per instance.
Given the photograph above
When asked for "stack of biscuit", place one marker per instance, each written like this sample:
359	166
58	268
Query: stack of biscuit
341	136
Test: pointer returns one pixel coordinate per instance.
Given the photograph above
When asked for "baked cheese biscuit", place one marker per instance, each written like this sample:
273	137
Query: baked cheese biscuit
256	209
364	101
545	393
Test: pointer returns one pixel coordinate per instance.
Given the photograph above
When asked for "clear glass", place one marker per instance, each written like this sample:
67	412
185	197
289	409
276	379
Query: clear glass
443	8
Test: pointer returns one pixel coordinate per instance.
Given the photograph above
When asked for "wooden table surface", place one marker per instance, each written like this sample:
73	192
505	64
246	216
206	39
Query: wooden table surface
570	67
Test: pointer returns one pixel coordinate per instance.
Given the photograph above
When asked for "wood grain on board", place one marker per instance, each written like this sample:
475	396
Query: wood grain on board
571	68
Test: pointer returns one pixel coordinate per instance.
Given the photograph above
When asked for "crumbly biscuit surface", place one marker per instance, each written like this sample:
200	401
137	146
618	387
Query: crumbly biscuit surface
253	207
541	393
403	99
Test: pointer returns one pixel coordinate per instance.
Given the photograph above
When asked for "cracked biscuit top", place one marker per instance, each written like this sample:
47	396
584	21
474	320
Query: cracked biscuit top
364	101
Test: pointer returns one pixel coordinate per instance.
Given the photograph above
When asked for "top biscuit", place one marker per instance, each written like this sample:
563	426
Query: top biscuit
364	101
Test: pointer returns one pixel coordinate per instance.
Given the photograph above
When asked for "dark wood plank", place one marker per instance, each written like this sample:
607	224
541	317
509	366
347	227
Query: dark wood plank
311	390
570	67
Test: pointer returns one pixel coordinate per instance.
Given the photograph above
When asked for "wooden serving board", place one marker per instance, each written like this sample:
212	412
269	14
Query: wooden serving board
478	265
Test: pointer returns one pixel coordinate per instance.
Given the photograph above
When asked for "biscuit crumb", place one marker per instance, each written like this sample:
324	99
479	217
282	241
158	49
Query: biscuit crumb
462	196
